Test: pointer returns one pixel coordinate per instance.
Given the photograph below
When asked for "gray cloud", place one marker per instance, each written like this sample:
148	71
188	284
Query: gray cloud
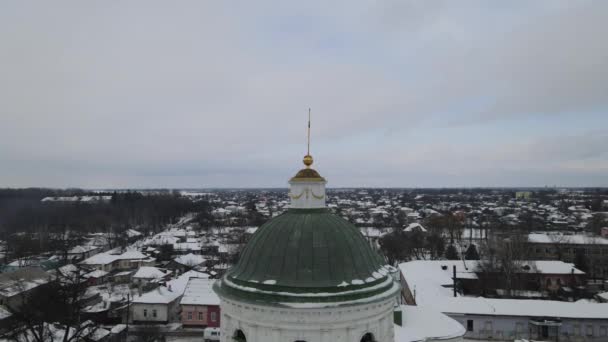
149	93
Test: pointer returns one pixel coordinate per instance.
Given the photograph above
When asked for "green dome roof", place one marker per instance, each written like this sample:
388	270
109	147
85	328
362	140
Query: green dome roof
304	252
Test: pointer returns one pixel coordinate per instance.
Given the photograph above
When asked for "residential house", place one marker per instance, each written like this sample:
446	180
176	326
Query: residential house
161	305
17	285
95	277
186	262
5	319
148	274
557	246
426	284
200	306
82	252
118	261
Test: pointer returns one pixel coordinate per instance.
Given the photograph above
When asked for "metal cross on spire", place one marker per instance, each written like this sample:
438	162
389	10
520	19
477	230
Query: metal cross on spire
308	157
308	149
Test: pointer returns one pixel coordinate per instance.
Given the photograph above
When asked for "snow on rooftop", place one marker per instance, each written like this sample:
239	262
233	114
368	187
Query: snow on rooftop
179	283
189	259
81	249
577	239
108	258
187	246
118	328
133	233
14	283
160	295
414	226
553	267
423	324
149	272
4	313
199	292
96	274
428	280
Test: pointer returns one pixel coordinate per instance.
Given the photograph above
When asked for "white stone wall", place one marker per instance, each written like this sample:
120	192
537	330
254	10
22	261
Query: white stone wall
164	312
274	324
508	328
307	195
137	312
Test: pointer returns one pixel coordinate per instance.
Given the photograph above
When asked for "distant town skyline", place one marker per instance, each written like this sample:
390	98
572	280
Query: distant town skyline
189	94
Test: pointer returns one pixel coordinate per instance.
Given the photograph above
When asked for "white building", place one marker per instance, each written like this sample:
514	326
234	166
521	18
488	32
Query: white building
431	287
161	305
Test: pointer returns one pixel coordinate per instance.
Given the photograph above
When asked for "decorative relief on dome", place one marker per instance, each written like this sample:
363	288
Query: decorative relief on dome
319	197
295	197
308	192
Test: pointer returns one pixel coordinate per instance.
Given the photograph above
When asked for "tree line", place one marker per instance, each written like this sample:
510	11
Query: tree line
31	226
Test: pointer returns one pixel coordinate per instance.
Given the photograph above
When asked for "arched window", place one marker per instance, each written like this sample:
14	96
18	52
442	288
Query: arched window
239	336
369	337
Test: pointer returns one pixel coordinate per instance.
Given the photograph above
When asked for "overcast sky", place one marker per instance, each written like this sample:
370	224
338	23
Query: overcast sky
122	94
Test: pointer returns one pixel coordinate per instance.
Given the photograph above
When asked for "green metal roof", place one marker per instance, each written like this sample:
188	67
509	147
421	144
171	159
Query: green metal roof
306	251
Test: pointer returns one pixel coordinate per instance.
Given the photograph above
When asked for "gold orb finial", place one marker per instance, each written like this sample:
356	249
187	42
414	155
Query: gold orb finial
308	160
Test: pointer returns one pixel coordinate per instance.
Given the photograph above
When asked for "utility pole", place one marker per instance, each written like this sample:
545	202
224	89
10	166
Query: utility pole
128	310
454	278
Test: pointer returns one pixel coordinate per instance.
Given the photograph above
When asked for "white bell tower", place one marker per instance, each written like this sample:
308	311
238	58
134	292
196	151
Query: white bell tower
307	187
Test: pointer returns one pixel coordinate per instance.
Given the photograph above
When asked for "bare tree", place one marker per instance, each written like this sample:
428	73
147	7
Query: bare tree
504	259
59	302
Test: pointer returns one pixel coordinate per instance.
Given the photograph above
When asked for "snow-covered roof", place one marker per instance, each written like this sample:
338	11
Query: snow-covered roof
81	249
4	313
118	328
180	282
189	259
187	246
133	233
173	290
23	280
96	274
100	259
372	232
77	199
57	332
427	282
68	270
24	262
149	272
577	239
414	226
199	292
131	255
108	258
160	295
424	324
552	267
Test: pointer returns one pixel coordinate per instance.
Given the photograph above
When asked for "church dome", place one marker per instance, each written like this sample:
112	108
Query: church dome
307	175
307	255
